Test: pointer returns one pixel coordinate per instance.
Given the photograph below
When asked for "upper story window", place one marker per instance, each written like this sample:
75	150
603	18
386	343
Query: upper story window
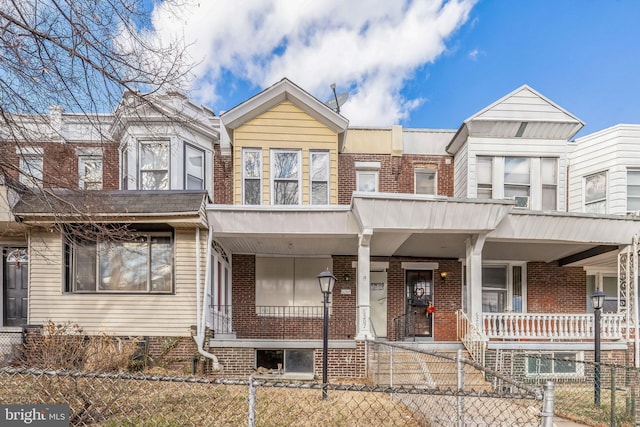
251	176
367	174
517	176
484	172
89	168
285	177
426	181
154	165
633	190
549	178
319	177
124	168
31	166
595	193
194	168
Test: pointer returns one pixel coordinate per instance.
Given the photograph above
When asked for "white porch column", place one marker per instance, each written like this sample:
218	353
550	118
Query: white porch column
364	286
474	277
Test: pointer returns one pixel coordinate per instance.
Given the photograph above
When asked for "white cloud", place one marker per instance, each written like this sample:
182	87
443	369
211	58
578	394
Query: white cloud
369	47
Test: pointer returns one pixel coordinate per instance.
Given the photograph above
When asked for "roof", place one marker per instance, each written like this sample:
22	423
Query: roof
132	204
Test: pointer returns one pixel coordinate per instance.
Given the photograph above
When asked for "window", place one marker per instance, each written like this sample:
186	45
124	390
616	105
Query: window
425	181
154	166
31	166
367	176
124	168
143	263
484	173
251	173
549	178
556	364
595	193
319	178
607	283
285	361
517	176
194	170
633	190
289	282
503	288
90	172
285	184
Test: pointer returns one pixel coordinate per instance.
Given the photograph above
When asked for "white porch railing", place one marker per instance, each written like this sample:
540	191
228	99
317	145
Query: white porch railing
550	326
473	339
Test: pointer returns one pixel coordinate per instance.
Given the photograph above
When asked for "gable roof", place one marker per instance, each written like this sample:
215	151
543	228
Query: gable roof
523	105
284	90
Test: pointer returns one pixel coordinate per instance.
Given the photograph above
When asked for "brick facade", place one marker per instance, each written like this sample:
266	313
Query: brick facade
555	289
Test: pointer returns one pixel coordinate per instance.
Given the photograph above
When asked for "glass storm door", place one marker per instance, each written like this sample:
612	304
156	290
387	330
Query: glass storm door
15	287
419	294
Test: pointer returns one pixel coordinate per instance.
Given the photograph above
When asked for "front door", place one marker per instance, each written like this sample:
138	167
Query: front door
419	295
378	302
15	287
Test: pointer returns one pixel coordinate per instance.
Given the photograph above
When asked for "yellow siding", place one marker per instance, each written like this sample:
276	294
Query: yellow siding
114	314
285	126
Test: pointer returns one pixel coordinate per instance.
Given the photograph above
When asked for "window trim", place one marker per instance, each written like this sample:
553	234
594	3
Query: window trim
82	159
509	265
188	146
579	358
284	372
71	251
272	153
260	174
142	142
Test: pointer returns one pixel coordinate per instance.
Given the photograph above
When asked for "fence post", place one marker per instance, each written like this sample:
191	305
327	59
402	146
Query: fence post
547	405
460	398
612	372
391	367
252	402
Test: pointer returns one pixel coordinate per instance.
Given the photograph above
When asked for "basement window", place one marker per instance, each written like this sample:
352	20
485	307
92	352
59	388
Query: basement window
290	361
555	364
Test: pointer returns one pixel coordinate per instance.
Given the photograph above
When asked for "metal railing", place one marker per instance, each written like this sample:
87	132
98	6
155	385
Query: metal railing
550	325
471	337
246	321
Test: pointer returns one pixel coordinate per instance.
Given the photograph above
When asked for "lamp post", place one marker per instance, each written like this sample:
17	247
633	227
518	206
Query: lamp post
326	280
597	300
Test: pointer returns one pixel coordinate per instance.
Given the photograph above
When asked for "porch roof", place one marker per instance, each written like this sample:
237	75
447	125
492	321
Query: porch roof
423	226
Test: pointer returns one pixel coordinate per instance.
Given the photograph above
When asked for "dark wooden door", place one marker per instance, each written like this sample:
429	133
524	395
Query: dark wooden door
15	287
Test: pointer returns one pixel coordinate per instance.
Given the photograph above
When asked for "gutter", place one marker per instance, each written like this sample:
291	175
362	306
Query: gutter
201	318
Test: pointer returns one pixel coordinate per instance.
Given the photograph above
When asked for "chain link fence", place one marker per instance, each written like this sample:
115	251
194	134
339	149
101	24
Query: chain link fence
10	342
586	392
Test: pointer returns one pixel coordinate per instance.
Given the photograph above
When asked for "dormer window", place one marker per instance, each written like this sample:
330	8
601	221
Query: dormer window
154	165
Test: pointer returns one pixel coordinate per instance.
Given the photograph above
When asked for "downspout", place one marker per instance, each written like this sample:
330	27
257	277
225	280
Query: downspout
201	317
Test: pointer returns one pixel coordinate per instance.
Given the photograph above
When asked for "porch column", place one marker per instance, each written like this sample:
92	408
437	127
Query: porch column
364	285
474	278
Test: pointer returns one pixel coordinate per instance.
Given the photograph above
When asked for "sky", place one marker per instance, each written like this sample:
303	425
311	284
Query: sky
420	63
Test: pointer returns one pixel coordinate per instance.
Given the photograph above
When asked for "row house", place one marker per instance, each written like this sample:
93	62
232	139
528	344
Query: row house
491	237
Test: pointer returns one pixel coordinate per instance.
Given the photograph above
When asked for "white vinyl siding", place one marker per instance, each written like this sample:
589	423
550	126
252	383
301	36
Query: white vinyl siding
115	314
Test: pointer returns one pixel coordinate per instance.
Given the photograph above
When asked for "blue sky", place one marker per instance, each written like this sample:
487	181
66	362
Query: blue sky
420	63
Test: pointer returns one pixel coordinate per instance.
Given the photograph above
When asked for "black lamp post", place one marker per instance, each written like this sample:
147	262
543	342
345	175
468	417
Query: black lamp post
597	300
326	280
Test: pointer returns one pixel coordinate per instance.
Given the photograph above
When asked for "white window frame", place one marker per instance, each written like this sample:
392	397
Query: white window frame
273	153
578	361
326	155
365	169
31	175
190	147
141	172
89	155
425	171
509	265
487	186
124	168
631	170
258	151
595	201
544	185
528	186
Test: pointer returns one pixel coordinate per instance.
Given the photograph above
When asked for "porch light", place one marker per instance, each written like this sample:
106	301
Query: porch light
443	275
597	300
326	280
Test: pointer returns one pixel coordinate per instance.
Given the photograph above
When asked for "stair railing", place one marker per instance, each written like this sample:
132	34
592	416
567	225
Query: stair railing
471	337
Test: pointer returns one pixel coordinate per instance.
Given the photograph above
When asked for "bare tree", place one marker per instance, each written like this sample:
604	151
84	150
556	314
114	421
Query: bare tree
76	56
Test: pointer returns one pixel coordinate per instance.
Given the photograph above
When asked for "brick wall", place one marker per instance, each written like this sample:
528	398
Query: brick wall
175	353
555	289
396	174
222	177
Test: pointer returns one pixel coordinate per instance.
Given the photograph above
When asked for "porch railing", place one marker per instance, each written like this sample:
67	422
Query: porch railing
281	322
550	326
471	337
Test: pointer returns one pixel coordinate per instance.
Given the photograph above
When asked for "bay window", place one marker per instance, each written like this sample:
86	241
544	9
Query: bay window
141	263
